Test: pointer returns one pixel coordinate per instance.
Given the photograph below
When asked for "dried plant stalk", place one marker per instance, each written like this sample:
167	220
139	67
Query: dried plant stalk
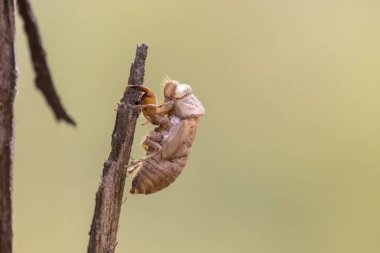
110	193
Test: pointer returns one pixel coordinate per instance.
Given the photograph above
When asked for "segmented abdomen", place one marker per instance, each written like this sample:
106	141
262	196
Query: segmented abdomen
161	170
155	174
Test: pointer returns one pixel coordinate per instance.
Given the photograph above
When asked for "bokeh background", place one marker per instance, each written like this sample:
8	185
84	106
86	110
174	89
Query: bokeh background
286	158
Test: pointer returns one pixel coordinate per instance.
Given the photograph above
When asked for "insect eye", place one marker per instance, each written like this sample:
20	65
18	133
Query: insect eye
169	89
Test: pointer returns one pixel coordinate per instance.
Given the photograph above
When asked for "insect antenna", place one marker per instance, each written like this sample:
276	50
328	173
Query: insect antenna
165	80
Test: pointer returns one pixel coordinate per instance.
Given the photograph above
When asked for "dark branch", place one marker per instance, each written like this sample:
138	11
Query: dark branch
43	80
8	77
110	193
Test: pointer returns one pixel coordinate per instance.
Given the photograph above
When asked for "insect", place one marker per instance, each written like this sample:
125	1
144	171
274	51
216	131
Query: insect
168	145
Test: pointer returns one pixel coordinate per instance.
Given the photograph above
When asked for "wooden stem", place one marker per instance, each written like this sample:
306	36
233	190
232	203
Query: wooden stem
8	76
110	193
43	80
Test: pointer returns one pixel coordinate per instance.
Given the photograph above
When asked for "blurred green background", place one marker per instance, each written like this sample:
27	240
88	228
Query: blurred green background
286	158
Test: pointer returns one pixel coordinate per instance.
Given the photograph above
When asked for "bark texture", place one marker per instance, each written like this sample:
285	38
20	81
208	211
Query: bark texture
43	80
110	193
8	77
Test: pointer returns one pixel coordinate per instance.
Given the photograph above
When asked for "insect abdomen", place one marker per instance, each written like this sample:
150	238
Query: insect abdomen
154	175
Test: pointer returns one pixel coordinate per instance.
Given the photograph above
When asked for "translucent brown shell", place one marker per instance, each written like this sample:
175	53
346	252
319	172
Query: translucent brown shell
159	171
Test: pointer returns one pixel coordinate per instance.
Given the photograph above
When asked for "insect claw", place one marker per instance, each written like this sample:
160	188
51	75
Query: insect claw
131	85
142	106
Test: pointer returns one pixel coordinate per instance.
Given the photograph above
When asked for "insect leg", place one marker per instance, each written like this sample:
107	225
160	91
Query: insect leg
132	171
134	166
143	106
151	142
165	108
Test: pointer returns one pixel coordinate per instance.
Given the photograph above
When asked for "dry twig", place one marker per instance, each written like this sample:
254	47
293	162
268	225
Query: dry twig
44	81
110	193
8	77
